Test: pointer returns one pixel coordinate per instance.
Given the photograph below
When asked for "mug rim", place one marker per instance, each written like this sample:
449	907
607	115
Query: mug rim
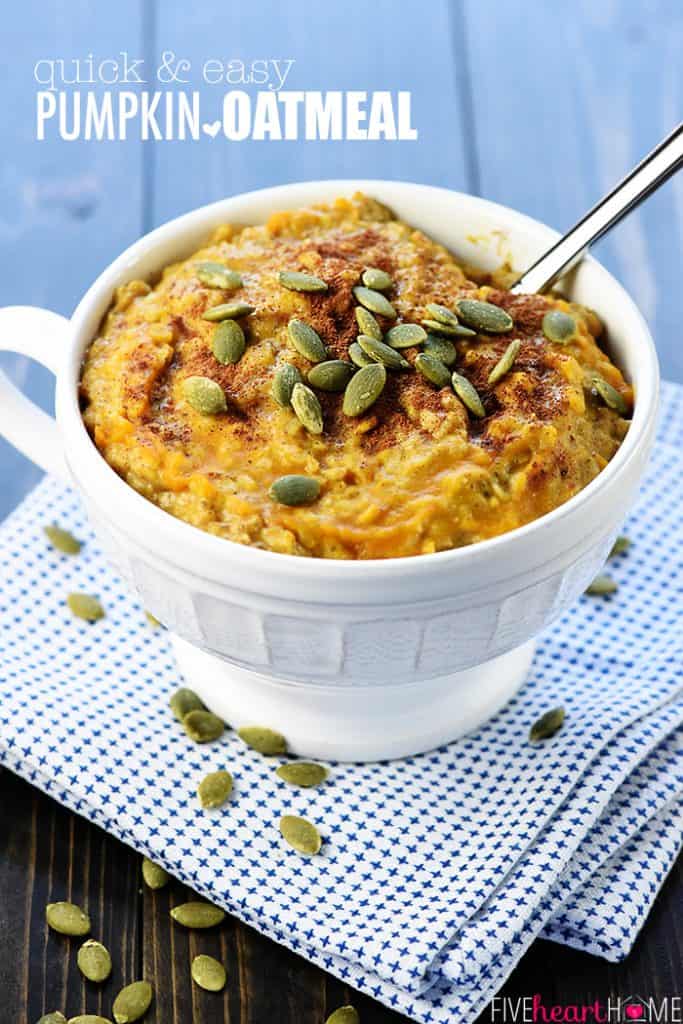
101	477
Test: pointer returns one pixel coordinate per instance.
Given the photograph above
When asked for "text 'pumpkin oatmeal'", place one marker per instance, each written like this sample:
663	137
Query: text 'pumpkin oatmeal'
332	384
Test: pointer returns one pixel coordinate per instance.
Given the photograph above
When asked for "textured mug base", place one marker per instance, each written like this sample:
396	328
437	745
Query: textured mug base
356	723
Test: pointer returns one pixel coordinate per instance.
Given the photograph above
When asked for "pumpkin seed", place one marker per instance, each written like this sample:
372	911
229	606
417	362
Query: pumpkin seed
375	302
300	834
307	409
364	389
208	973
152	620
266	741
405	336
228	311
183	701
154	876
302	773
433	369
85	606
558	327
215	275
228	343
344	1015
602	586
504	364
204	395
197	915
295	489
468	395
367	323
67	918
286	376
306	341
610	395
214	789
441	348
332	375
62	540
88	1018
620	545
94	961
381	353
203	726
484	316
132	1002
450	330
297	281
442	314
378	280
53	1018
547	725
358	356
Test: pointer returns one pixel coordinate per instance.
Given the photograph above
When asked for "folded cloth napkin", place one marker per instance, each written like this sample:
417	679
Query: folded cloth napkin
437	871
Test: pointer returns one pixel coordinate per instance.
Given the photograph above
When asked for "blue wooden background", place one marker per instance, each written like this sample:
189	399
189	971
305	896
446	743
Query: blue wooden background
533	103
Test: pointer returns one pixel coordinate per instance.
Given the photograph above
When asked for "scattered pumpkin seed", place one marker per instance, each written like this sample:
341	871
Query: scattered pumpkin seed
442	348
367	323
214	789
375	302
286	376
185	700
208	973
306	341
85	606
307	409
197	915
364	389
204	395
620	545
62	540
153	875
295	489
132	1002
88	1018
344	1015
378	280
405	336
433	370
468	395
228	343
300	834
332	375
558	326
67	918
610	395
53	1018
302	773
94	961
152	620
602	585
381	353
203	726
266	741
504	364
547	725
215	275
358	356
450	330
442	314
228	311
297	281
484	316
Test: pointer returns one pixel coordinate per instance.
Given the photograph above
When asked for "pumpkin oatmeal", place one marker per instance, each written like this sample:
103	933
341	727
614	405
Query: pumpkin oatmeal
333	383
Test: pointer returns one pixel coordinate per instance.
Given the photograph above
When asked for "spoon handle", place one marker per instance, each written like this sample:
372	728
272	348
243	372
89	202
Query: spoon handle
644	179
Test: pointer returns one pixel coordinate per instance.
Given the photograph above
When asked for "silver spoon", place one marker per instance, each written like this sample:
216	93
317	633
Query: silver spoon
644	179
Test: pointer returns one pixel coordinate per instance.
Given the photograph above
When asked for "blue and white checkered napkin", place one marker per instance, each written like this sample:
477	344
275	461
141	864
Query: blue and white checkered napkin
437	871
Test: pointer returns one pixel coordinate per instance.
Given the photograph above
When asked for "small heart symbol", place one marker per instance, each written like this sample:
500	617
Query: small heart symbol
634	1012
212	129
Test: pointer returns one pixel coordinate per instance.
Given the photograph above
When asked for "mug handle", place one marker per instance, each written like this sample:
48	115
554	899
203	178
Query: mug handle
40	335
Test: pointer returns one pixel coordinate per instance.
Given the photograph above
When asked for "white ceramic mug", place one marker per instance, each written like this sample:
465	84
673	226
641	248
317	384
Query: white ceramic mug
349	659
